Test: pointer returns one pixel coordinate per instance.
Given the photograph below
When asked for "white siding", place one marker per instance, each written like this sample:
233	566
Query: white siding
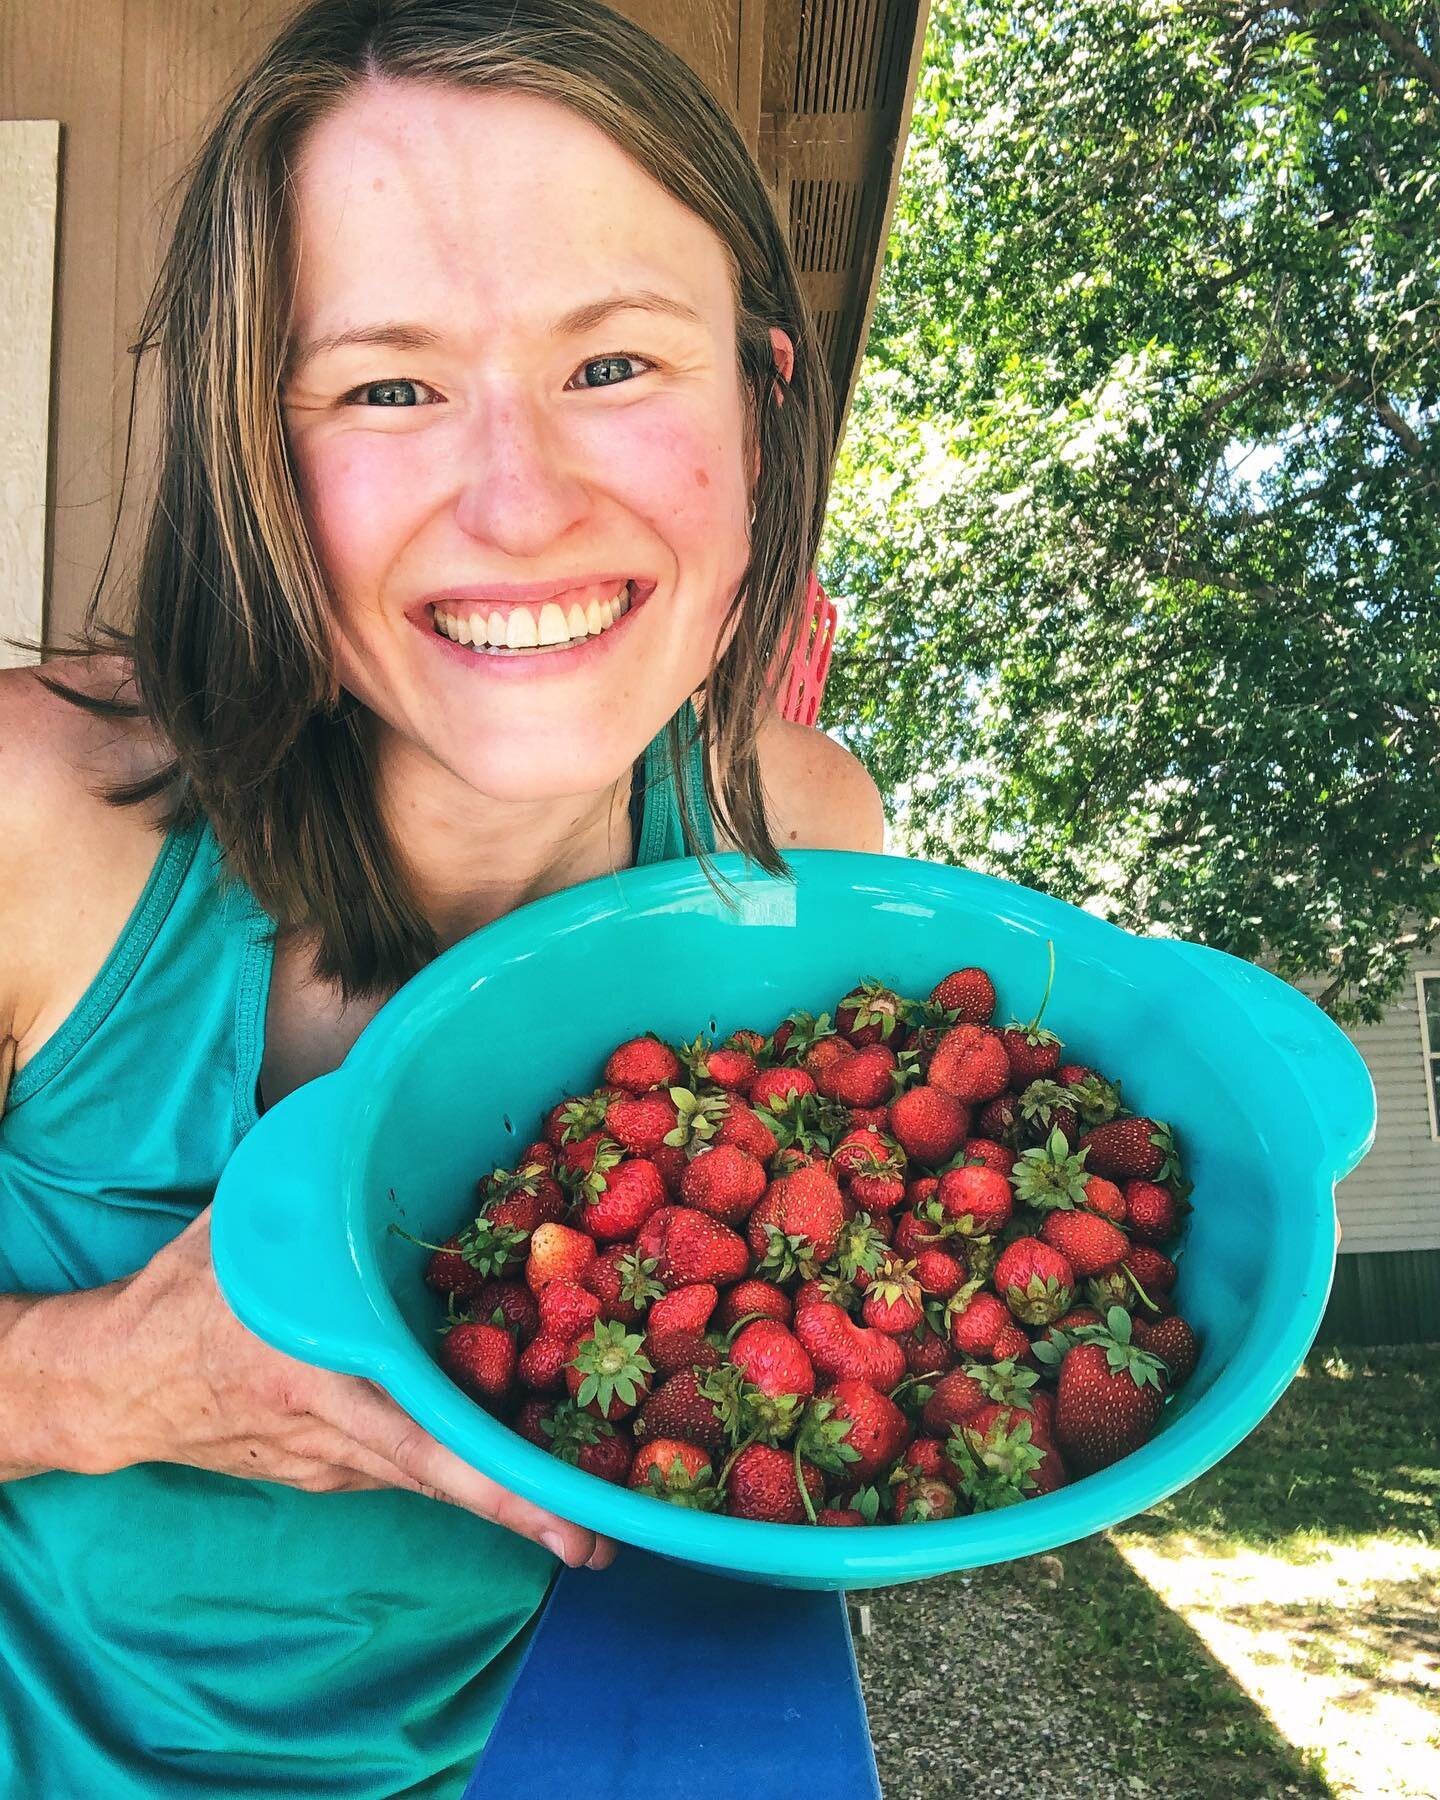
1392	1201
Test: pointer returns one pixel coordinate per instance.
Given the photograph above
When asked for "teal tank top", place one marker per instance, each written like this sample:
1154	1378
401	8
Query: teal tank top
165	1631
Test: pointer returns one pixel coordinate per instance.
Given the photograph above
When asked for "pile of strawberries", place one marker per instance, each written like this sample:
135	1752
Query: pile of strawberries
899	1266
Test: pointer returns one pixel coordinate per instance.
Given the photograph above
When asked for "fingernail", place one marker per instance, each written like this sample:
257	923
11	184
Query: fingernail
552	1540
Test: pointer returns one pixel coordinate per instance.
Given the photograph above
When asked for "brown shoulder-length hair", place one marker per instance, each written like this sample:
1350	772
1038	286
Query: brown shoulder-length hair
229	631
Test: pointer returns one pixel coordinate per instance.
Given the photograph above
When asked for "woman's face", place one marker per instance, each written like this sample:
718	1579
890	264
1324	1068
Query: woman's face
476	451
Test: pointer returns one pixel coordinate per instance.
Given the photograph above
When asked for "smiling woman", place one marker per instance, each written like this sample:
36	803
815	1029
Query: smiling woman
493	448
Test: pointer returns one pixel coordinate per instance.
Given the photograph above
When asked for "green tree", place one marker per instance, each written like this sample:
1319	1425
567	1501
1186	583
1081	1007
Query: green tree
1138	510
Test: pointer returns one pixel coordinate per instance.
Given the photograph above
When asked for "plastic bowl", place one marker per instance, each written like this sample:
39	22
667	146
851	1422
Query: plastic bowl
1270	1102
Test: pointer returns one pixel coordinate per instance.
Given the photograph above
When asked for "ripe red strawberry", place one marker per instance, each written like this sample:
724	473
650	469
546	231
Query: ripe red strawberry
1151	1268
1032	1053
762	1485
620	1198
771	1085
808	1217
994	1156
675	1471
822	1056
970	1063
862	1079
956	1397
566	1309
448	1272
671	1351
878	1428
939	1273
773	1359
925	1456
690	1246
541	1365
1152	1211
558	1253
481	1358
975	1326
723	1066
826	1290
521	1201
915	1232
894	1299
1172	1341
929	1124
515	1304
753	1296
1066	1323
623	1282
869	1014
856	1150
980	1199
839	1515
685	1309
1012	1344
999	1119
1109	1398
642	1063
724	1182
680	1408
639	1123
1036	1282
969	993
608	1372
1105	1198
1088	1243
1004	1453
610	1456
1131	1148
529	1420
742	1127
672	1163
842	1350
877	1181
926	1352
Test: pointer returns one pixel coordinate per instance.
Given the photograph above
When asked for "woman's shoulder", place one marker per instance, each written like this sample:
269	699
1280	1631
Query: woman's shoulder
74	862
818	794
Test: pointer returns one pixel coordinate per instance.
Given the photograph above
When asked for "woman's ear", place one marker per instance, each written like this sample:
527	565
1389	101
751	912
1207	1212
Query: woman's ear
784	352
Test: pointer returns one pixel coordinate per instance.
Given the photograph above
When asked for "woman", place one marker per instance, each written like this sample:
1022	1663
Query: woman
444	543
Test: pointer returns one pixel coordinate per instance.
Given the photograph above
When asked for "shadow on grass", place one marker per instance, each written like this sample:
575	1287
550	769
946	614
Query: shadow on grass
1350	1450
996	1683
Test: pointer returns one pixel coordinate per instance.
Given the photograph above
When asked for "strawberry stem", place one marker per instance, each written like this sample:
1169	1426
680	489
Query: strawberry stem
744	1319
410	1238
1135	1283
744	1444
1034	1024
805	1500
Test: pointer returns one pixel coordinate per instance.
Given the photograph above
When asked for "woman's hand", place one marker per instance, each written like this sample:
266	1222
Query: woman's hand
171	1375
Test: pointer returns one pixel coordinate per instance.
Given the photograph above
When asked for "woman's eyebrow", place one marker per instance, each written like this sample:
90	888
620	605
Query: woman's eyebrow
400	335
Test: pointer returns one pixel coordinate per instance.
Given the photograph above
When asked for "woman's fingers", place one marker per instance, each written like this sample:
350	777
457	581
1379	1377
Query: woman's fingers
376	1424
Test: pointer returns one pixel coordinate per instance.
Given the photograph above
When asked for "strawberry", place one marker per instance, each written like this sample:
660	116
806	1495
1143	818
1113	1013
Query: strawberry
558	1253
623	1282
608	1372
1105	1198
448	1272
1001	1455
1044	1109
1152	1212
619	1196
566	1309
968	993
999	1119
924	1497
642	1063
1086	1242
682	1408
730	1068
868	1015
963	1393
724	1182
753	1296
854	1152
869	1118
926	1352
752	1042
808	1218
1036	1282
762	1484
938	1273
1060	1334
878	1428
610	1456
639	1123
969	1062
839	1515
1136	1147
975	1326
862	1079
672	1163
577	1117
924	1456
822	1057
1172	1341
994	1156
915	1232
515	1304
828	1289
684	1309
1030	1052
929	1124
530	1419
979	1199
878	1182
671	1351
1012	1344
481	1358
843	1350
1152	1269
675	1471
773	1359
541	1365
690	1246
894	1300
1109	1399
589	1443
771	1085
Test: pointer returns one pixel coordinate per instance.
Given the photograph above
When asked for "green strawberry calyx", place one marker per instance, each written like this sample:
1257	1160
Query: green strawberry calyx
699	1117
1051	1176
1122	1356
613	1365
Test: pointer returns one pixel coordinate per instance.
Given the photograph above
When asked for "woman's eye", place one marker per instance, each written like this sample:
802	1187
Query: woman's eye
404	392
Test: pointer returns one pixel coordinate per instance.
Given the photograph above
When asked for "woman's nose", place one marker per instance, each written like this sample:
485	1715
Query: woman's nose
517	487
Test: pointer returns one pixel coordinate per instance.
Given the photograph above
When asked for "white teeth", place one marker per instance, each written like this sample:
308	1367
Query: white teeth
554	628
520	629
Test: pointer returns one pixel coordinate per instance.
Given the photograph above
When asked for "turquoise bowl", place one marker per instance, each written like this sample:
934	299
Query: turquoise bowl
1270	1102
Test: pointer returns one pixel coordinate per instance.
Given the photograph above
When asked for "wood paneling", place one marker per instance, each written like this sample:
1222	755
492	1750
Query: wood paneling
1386	1297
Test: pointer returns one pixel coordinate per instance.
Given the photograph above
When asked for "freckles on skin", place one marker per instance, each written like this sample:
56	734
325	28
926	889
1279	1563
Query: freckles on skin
701	479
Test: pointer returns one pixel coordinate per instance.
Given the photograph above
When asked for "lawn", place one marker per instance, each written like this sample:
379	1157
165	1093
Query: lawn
1269	1631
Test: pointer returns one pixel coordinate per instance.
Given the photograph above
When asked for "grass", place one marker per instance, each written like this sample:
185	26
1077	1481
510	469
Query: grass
1269	1631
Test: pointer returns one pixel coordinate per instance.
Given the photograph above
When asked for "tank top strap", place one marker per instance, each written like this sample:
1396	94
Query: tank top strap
662	835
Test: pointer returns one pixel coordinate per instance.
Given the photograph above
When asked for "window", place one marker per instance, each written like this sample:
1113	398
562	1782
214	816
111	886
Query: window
1428	986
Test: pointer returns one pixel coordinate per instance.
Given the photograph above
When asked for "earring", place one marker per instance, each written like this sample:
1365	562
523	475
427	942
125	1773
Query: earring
752	512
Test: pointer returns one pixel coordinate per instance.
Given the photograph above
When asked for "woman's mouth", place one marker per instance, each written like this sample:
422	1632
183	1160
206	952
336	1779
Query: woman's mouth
534	630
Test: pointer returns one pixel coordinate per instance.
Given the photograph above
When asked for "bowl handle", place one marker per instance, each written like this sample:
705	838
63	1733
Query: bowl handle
1331	1071
282	1256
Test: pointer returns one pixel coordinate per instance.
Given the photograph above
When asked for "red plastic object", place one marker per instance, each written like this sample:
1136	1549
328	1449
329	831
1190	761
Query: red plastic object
805	680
